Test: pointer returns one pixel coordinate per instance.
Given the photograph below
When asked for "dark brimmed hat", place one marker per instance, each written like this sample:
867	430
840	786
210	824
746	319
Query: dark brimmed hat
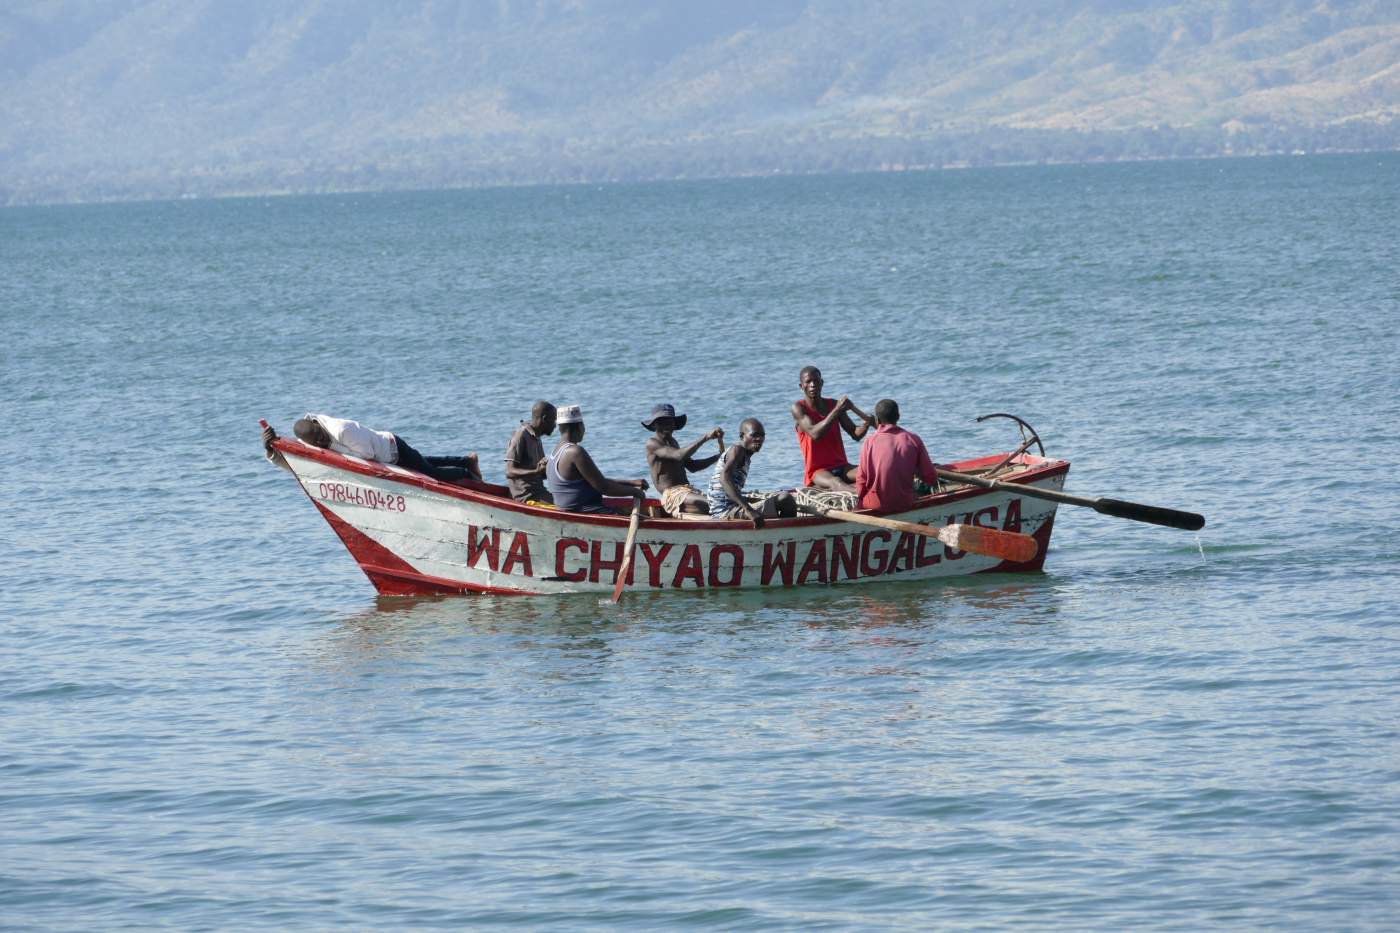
664	411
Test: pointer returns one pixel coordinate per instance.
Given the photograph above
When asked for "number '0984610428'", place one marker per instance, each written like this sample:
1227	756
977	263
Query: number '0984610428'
359	495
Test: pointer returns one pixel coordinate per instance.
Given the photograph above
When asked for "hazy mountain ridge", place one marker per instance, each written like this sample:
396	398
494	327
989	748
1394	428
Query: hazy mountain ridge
160	98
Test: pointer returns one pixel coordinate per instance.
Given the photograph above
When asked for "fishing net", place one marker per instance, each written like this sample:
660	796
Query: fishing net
825	498
813	497
810	496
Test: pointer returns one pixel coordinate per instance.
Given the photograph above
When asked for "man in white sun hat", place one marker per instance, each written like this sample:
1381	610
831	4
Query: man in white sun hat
574	479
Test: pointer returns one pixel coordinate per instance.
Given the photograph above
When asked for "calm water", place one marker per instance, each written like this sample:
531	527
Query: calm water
210	721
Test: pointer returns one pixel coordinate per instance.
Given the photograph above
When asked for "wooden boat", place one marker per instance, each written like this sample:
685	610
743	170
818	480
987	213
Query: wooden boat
413	535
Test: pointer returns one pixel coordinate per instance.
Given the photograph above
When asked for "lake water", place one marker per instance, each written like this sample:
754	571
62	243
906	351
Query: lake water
210	720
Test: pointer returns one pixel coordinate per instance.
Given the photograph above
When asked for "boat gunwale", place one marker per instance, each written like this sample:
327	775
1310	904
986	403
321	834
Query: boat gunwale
1045	468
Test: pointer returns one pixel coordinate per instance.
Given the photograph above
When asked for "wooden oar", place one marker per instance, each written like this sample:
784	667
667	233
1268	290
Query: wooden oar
627	549
1152	514
991	542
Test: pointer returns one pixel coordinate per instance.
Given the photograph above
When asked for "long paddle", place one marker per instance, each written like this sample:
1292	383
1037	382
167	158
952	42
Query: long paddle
1152	514
1006	545
627	549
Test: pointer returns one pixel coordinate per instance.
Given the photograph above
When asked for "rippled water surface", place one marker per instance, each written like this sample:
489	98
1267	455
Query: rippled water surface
210	721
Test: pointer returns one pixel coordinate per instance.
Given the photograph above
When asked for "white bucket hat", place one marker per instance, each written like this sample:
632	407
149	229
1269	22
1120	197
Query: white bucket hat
569	414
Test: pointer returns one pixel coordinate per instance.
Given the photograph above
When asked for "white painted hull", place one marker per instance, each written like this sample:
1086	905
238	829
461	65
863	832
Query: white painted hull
413	535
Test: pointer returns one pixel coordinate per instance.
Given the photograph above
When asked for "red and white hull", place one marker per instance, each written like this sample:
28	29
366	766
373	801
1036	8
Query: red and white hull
413	535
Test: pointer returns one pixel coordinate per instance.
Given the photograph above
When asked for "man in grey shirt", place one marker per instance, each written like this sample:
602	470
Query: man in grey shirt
525	459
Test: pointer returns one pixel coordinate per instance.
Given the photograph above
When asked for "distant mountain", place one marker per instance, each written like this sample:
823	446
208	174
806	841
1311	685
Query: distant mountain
159	98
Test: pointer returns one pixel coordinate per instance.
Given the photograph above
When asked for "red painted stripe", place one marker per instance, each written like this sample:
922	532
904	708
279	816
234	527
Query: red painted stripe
368	553
391	574
395	583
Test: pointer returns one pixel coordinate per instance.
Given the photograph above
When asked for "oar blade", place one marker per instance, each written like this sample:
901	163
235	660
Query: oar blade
1152	514
991	542
626	567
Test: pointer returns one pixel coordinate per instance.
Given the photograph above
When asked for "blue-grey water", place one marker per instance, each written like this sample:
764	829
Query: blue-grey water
211	722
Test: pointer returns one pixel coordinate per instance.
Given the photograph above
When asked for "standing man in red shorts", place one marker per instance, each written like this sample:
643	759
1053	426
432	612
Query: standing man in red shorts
820	422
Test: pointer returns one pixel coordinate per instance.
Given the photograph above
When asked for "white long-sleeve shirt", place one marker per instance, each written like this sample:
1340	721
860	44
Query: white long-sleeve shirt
353	438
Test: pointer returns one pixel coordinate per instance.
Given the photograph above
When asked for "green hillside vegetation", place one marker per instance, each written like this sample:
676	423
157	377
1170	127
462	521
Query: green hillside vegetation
162	98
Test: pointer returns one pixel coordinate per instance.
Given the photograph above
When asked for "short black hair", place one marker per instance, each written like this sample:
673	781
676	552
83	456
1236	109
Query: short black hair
808	369
311	432
887	411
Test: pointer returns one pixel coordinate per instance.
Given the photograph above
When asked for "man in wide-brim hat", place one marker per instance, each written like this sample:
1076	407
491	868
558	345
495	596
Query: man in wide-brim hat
670	462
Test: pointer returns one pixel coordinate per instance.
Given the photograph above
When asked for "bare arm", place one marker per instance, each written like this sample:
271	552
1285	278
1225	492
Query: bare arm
588	470
856	432
726	479
514	454
868	419
816	430
694	466
517	472
273	454
682	454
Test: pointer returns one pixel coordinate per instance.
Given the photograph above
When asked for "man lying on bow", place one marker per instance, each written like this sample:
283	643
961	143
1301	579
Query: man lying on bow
355	440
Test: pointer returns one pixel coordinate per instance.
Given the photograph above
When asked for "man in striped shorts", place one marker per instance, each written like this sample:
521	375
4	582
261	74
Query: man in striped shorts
726	492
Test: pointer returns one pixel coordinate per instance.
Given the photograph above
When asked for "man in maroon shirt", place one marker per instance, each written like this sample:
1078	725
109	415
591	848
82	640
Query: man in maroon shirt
889	461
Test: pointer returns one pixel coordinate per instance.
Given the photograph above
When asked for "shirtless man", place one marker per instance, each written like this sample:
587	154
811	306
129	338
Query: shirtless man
574	479
726	491
820	422
670	462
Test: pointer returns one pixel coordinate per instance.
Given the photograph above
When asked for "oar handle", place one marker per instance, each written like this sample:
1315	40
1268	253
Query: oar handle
1152	514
